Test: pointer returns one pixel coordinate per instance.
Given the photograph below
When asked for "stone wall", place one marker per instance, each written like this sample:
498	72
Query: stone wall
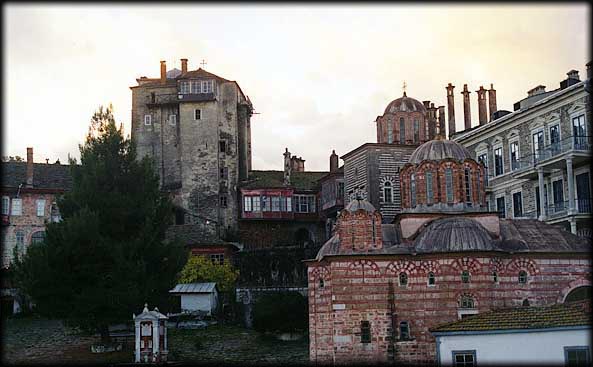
257	234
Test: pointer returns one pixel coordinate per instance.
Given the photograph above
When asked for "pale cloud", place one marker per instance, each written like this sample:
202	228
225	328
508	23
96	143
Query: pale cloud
318	75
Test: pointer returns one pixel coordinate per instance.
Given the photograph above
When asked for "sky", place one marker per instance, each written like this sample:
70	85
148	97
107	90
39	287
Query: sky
317	75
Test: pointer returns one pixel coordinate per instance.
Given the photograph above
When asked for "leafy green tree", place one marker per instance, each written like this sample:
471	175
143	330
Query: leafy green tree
108	256
201	269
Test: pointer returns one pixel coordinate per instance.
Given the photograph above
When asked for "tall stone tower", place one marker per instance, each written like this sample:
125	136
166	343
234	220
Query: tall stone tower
196	127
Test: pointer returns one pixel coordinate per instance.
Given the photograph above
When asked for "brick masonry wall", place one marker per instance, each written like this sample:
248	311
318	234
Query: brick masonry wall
357	289
256	234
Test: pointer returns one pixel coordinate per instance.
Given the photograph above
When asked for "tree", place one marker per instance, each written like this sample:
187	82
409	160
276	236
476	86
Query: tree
108	256
201	269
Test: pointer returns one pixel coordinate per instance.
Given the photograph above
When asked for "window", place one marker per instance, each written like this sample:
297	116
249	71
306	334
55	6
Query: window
173	120
416	131
555	139
449	184
403	279
20	240
256	203
222	146
217	259
288	204
321	283
197	114
404	330
340	194
40	207
579	132
498	164
465	358
365	332
196	86
483	158
538	144
412	191
517	205
304	203
389	132
265	203
38	237
558	194
495	277
466	302
480	193
525	303
577	356
402	131
431	279
275	203
500	207
247	203
5	205
468	186
224	173
147	119
514	151
429	192
387	192
207	86
17	207
179	216
184	87
223	201
465	276
522	277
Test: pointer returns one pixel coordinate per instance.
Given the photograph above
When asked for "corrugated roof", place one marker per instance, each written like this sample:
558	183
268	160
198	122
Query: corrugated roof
275	179
45	176
560	315
194	288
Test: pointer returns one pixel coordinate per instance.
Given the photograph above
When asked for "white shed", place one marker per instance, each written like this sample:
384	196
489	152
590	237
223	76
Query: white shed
197	296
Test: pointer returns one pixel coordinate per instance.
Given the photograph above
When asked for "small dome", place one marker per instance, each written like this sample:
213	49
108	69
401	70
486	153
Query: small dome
405	104
358	204
439	149
454	235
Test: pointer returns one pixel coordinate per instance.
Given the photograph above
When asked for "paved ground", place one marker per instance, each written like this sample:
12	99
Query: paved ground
30	341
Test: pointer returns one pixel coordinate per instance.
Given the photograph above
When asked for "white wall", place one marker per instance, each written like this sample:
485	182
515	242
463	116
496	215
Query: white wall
528	347
193	302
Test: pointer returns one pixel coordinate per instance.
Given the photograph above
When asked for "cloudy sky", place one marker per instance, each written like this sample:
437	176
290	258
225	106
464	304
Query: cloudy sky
317	75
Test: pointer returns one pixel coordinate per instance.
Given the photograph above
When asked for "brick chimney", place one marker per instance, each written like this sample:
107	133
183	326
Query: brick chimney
537	90
29	167
287	167
467	115
333	162
431	122
482	112
298	164
451	110
491	101
442	131
183	66
163	72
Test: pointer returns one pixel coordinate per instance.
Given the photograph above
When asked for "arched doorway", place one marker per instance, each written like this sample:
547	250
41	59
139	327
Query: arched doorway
578	294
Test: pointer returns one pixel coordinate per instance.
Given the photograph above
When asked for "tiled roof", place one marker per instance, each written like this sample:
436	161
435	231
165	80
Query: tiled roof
45	176
560	315
275	179
201	73
193	288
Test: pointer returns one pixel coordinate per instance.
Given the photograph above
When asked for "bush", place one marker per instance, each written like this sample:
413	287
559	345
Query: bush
281	312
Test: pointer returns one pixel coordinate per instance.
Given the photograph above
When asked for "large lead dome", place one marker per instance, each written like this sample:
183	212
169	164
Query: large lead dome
437	150
405	104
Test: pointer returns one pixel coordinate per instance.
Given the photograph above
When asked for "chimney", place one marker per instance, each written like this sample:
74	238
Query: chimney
467	116
29	167
432	121
572	78
537	90
442	121
482	112
163	72
426	104
573	74
451	110
287	167
297	164
333	162
183	66
492	101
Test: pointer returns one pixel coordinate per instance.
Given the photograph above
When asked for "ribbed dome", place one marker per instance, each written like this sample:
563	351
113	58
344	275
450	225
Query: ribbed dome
439	149
454	234
405	104
358	204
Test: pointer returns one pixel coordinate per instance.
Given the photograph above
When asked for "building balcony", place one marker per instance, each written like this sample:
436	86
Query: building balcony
558	211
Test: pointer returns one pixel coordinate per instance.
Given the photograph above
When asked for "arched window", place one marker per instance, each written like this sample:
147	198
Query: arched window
389	132
449	184
495	277
468	186
466	302
416	131
465	276
522	277
413	191
429	192
402	131
321	283
403	279
38	237
404	330
431	279
387	192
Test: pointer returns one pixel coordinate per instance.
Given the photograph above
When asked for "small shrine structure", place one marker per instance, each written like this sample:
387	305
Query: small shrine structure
150	336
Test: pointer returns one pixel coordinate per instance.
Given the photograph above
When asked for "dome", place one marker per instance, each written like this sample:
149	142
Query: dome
438	150
405	104
454	235
360	204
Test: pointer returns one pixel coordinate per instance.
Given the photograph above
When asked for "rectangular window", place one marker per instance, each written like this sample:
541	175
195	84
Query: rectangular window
498	163
468	186
577	356
514	148
222	146
207	86
365	332
5	205
197	114
265	203
500	207
579	132
40	207
416	131
223	201
404	330
389	132
429	192
184	87
340	194
555	139
17	207
20	240
247	203
275	203
217	259
538	144
517	205
224	173
449	184
196	87
289	204
147	119
412	191
558	194
256	203
465	358
484	159
173	120
305	203
402	131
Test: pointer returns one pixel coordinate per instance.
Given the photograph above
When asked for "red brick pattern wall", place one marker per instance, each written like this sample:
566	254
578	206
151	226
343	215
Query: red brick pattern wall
357	289
356	231
409	129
